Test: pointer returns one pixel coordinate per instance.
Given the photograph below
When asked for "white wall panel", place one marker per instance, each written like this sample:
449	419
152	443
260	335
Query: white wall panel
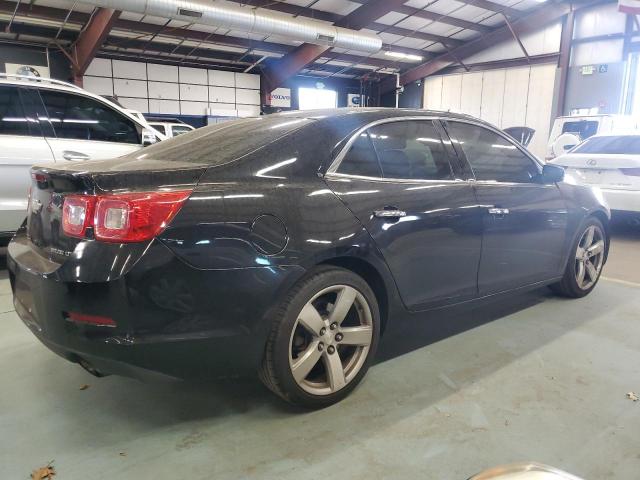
519	96
248	80
139	104
223	109
451	91
100	67
606	51
223	79
600	20
222	95
493	96
164	106
98	85
471	93
162	73
126	69
247	97
193	108
164	90
129	88
433	93
539	103
248	110
196	93
516	91
196	76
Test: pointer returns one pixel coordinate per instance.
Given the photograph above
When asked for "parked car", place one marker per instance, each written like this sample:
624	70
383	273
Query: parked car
610	162
171	128
567	132
44	120
288	243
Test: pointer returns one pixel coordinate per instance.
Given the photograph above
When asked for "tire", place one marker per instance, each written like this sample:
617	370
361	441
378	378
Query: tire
317	340
570	285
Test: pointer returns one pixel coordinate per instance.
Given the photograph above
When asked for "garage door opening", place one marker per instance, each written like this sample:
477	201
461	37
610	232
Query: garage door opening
314	98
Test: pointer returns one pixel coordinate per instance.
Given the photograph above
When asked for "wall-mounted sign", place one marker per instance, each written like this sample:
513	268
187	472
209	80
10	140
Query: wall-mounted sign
587	69
603	68
26	70
280	97
356	100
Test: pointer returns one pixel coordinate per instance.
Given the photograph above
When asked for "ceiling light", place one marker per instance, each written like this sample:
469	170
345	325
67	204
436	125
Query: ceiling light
404	56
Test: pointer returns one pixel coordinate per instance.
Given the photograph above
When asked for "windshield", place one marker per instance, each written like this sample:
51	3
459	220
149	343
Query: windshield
611	145
225	142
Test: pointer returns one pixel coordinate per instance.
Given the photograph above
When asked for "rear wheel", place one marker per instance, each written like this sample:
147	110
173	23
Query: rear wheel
586	261
323	339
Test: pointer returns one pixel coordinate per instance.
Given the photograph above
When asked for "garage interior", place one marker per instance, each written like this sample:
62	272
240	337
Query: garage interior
531	378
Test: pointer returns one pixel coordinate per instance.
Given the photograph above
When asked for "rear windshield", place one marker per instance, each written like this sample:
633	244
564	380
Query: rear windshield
611	145
225	142
584	128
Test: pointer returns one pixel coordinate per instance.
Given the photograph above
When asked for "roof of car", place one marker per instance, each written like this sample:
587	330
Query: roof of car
380	112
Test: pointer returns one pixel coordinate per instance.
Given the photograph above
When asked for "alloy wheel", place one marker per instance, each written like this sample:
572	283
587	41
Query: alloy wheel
589	257
330	340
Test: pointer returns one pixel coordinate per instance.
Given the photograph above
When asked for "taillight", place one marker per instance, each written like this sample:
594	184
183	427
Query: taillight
76	214
121	218
632	172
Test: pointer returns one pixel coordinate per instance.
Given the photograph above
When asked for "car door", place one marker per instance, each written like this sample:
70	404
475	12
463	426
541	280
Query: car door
87	129
525	221
21	145
397	179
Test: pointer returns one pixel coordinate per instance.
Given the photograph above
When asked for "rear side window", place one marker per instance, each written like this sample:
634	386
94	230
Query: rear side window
491	156
13	119
584	128
361	159
411	150
611	145
159	128
83	118
179	130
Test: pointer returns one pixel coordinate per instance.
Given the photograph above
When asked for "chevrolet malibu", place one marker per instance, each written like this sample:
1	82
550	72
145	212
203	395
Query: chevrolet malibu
286	244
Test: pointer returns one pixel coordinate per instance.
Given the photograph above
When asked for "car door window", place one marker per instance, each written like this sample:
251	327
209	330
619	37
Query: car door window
159	128
411	150
491	156
179	130
13	118
83	118
361	159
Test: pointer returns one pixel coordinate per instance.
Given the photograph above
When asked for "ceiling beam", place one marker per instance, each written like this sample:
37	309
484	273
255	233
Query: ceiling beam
280	70
525	24
91	39
493	7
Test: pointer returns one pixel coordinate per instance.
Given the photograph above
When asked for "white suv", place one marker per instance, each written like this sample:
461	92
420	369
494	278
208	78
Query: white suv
171	129
44	120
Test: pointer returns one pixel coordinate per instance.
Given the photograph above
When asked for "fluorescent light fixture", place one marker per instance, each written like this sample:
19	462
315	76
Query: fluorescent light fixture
404	56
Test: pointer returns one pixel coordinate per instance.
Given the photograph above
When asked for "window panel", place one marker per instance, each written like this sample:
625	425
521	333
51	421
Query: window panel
412	150
492	157
361	159
82	118
13	118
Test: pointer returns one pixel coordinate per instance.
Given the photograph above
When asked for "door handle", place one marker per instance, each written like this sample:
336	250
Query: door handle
498	211
389	213
71	155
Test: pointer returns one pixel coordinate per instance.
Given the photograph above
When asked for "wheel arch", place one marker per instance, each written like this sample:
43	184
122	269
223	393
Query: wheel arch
372	276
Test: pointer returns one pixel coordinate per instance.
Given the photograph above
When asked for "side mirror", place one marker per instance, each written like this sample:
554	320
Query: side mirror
552	174
148	137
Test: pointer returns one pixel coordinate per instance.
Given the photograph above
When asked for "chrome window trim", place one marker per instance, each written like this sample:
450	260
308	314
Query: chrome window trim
331	175
335	164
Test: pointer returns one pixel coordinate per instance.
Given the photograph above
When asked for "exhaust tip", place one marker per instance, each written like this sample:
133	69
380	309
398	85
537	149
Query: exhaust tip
90	368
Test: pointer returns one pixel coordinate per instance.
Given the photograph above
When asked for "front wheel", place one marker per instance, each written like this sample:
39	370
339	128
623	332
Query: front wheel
323	338
586	261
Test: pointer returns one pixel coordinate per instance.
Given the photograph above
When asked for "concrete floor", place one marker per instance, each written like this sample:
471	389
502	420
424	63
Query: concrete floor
536	378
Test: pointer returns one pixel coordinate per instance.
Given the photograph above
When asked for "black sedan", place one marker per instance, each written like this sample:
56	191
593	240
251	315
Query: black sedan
286	244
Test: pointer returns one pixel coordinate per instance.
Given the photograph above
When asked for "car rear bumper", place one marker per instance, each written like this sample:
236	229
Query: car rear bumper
623	200
170	319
